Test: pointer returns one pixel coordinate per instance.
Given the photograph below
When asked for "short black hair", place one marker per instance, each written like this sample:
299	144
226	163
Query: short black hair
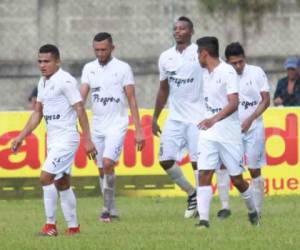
234	49
50	48
103	36
186	19
210	44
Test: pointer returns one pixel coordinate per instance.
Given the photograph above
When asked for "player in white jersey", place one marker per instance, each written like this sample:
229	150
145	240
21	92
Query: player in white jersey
220	131
59	101
181	83
111	83
254	99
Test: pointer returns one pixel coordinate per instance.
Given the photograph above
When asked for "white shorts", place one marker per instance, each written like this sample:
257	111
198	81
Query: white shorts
176	137
254	147
60	159
212	153
109	146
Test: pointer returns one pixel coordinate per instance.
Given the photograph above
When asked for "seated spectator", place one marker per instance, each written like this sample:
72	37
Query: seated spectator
287	92
32	98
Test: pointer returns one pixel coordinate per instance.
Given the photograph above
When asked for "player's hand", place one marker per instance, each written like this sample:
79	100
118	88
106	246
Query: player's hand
139	140
90	149
15	145
206	124
246	125
155	128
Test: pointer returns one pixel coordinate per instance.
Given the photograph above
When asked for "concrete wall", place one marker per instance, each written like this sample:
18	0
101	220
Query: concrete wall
141	30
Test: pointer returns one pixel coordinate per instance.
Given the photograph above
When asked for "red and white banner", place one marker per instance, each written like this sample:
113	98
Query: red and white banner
282	172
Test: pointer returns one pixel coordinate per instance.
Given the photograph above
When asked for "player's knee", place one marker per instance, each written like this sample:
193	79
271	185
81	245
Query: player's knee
166	164
63	183
108	166
205	177
239	183
46	178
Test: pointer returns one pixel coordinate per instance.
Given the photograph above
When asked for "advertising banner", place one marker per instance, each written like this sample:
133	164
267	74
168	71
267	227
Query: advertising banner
282	173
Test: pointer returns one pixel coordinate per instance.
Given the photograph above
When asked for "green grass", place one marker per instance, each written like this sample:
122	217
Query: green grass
153	223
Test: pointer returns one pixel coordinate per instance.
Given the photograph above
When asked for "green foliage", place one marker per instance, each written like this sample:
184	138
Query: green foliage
153	223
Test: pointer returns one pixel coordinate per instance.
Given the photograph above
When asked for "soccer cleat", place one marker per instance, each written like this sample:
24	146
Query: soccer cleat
72	231
48	230
115	217
191	210
114	214
105	217
254	218
203	224
224	213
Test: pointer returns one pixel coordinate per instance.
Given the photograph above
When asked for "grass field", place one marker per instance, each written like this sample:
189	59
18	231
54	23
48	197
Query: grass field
153	223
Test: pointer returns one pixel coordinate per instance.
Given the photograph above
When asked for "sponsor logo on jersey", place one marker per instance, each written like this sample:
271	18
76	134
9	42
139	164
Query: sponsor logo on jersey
209	108
97	89
51	117
178	82
246	104
104	100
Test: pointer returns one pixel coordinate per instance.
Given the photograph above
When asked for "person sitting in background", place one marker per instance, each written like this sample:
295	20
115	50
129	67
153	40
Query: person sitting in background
287	91
32	98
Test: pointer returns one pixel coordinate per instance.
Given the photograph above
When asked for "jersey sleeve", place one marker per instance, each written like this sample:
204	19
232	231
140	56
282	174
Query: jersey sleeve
262	81
128	78
231	82
39	92
162	72
71	91
84	75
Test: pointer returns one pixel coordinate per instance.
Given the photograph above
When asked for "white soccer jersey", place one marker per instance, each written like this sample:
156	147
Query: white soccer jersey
217	84
107	84
184	76
58	94
252	82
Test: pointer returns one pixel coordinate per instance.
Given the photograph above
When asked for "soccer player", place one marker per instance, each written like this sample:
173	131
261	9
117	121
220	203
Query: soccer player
60	103
111	82
181	82
254	99
220	131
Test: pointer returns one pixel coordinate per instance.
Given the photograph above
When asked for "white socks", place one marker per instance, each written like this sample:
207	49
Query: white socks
196	173
101	184
113	210
176	175
258	189
249	201
50	203
204	196
108	191
68	205
223	184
